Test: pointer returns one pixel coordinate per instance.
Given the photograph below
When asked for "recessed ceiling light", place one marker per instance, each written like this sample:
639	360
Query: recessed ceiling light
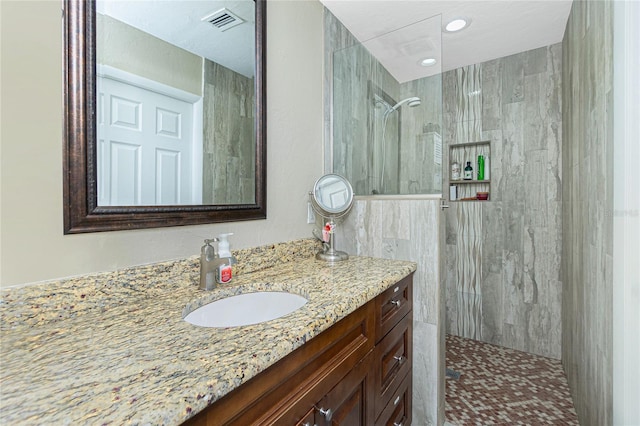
457	25
428	62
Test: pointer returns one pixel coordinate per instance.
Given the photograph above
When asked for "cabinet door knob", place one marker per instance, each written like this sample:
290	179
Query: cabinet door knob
326	413
401	422
395	302
400	359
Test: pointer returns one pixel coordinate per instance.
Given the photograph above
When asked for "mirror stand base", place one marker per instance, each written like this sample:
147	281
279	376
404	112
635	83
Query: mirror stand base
332	256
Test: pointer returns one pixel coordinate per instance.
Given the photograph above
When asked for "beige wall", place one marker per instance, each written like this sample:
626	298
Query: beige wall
33	247
127	48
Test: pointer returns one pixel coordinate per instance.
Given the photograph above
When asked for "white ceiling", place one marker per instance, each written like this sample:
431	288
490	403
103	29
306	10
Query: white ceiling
498	28
180	23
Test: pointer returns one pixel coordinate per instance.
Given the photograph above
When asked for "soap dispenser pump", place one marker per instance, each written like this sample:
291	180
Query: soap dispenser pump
224	249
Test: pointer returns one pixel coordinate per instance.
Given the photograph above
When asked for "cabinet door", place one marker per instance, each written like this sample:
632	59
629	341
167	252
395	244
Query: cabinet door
349	403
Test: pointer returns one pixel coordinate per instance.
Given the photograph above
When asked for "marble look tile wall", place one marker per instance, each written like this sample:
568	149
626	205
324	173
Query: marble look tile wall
409	229
587	184
356	122
228	139
502	256
421	140
408	160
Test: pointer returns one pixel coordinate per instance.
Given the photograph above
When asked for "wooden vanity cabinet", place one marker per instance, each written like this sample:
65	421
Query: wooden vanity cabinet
341	370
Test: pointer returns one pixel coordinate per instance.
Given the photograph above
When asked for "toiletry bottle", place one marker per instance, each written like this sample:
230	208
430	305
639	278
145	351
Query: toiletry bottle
225	272
487	168
455	171
468	171
480	167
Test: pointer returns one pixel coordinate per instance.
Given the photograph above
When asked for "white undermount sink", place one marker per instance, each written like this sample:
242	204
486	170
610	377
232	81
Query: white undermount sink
246	309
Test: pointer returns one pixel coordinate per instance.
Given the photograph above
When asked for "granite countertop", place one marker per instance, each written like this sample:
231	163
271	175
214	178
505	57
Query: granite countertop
113	348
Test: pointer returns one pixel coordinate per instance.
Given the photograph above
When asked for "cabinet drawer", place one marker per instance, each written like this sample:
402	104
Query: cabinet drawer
398	410
283	393
393	360
392	305
309	418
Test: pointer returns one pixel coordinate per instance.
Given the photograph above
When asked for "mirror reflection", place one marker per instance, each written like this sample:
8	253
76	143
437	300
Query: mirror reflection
176	103
333	194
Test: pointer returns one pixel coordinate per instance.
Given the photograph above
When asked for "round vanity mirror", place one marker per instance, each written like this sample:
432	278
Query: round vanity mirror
333	195
331	198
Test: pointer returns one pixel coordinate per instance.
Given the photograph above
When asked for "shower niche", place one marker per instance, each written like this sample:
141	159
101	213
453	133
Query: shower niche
461	189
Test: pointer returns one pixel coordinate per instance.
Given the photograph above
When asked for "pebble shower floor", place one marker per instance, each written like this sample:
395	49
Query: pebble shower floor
500	386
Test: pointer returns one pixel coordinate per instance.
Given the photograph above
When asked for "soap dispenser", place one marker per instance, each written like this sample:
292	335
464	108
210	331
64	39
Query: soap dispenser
224	249
224	272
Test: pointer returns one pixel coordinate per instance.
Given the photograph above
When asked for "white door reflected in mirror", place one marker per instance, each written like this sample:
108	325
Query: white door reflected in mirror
176	103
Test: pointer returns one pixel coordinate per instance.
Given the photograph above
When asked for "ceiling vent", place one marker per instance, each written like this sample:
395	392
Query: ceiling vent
223	19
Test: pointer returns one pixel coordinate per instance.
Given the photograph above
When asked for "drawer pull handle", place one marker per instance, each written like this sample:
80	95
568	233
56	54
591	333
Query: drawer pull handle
395	302
397	400
400	359
326	413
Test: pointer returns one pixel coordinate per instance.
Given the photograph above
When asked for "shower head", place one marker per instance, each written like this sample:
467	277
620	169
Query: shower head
412	102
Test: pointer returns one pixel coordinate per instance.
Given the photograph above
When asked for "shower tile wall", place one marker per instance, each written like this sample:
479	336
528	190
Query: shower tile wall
421	145
409	229
356	76
503	255
587	211
354	127
228	154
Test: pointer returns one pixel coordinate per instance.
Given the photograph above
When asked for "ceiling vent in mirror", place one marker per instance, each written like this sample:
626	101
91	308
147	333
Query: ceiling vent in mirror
223	19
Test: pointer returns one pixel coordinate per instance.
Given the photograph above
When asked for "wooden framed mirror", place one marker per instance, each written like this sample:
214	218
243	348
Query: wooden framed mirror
84	207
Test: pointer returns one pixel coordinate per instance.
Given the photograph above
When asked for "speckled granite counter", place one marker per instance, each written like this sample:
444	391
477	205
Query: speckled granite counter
113	348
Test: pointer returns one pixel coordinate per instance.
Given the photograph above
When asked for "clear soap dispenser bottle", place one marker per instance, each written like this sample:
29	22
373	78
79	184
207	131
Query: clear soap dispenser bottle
224	272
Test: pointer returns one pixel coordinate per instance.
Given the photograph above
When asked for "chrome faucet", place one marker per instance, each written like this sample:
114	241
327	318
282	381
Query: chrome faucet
210	264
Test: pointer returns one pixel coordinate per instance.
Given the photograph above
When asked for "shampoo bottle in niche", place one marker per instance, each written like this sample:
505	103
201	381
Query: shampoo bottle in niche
224	272
468	171
487	168
480	167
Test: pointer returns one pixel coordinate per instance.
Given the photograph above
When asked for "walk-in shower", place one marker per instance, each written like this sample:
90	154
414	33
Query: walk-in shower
385	122
413	101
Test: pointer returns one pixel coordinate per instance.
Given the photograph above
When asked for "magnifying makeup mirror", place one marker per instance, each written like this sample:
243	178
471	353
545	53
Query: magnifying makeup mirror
331	198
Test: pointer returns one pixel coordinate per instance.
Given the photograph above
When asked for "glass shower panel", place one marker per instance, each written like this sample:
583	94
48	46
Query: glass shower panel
387	112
